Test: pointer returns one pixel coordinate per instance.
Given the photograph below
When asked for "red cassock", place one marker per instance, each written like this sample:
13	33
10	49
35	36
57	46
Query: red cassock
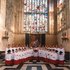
35	54
8	59
53	57
16	58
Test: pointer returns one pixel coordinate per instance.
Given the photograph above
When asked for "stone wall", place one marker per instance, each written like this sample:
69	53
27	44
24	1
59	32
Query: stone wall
19	39
66	44
2	23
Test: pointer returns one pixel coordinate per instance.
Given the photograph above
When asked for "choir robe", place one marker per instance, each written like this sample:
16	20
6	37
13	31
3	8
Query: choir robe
8	59
43	55
39	53
46	59
30	54
13	55
53	57
16	58
20	56
35	55
48	56
61	58
25	55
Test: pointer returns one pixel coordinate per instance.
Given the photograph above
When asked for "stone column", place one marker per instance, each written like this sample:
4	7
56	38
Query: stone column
55	16
3	43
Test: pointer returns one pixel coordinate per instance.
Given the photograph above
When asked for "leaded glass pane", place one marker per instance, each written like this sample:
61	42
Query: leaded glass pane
35	16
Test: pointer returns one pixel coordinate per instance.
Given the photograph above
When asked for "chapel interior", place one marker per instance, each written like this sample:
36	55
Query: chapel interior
25	22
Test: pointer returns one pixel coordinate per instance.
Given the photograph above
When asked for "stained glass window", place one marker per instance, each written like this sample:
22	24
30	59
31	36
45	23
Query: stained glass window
35	16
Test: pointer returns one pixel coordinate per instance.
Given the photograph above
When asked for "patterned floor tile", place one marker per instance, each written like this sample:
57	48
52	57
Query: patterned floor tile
35	66
44	67
24	67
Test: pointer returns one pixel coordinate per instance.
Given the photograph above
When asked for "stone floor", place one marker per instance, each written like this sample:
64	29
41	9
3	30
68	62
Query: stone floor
35	66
